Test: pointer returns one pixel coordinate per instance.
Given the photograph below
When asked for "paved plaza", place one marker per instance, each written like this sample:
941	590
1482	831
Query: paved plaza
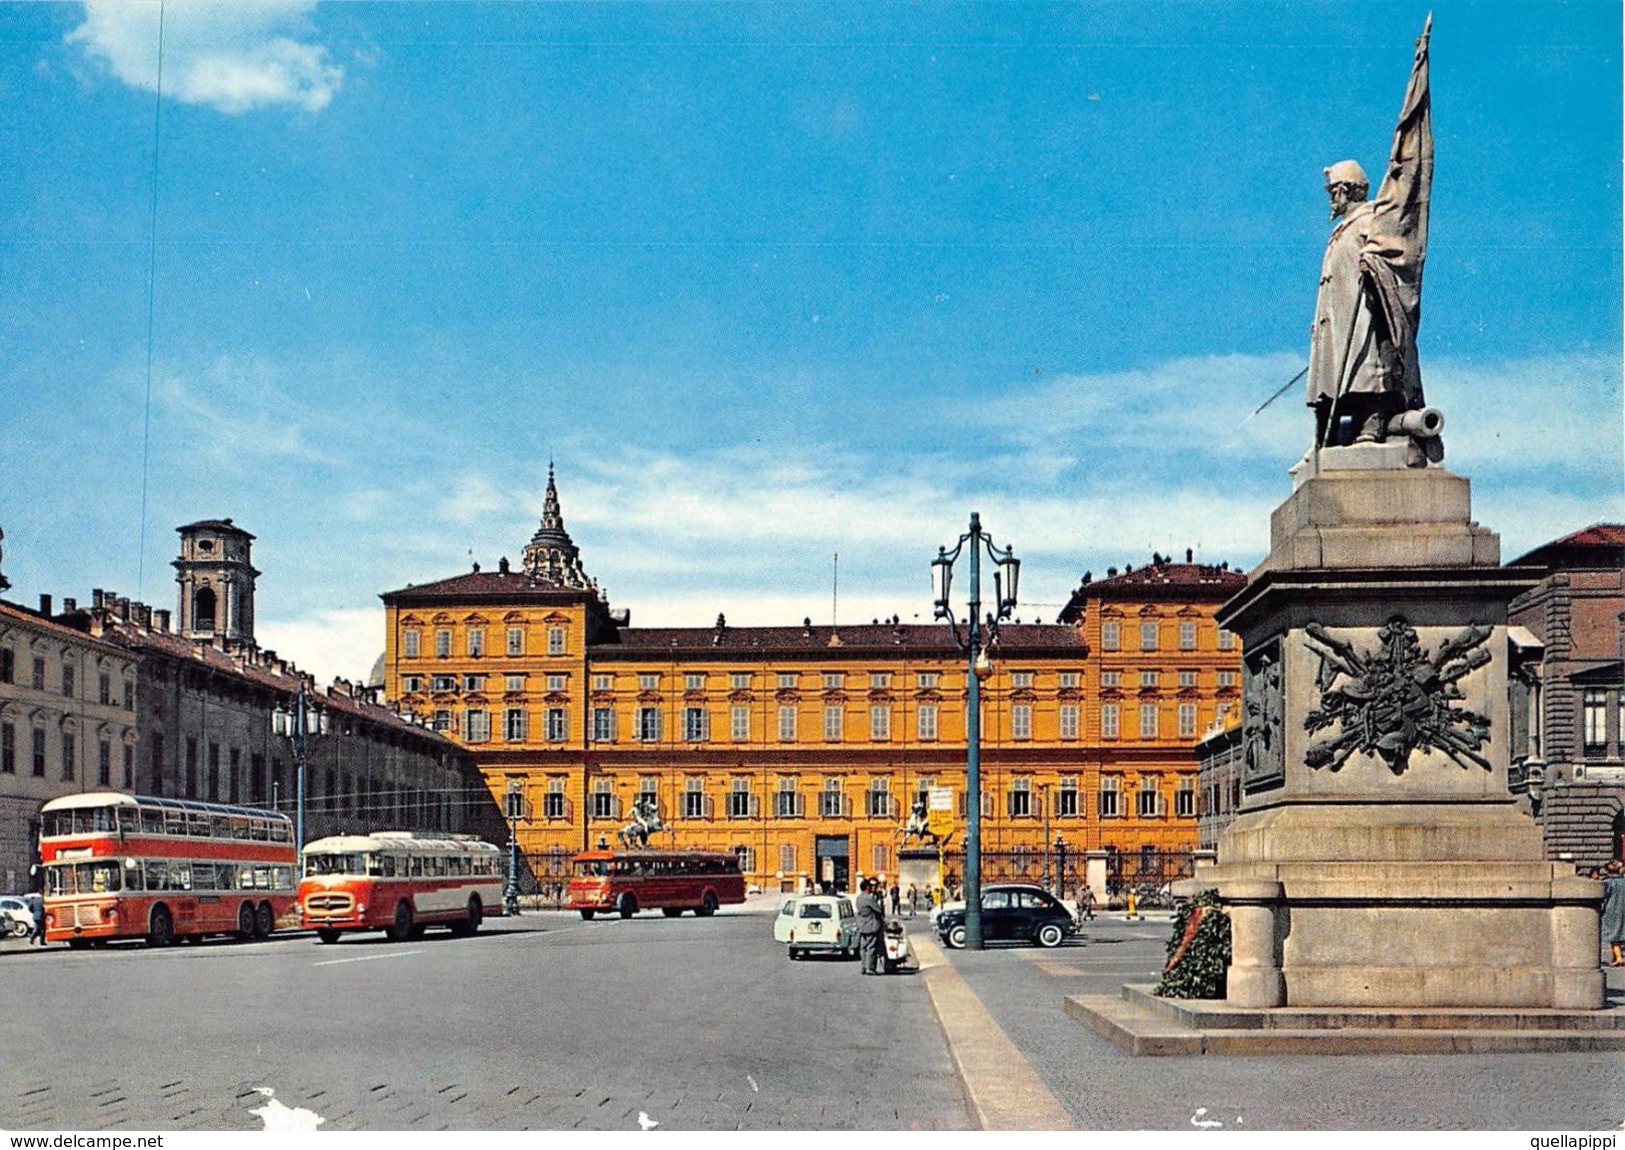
547	1022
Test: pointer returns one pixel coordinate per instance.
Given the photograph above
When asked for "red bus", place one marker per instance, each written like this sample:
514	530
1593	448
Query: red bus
674	881
129	866
399	882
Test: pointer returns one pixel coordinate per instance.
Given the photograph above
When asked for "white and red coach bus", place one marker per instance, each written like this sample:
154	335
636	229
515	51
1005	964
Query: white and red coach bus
400	882
131	866
626	882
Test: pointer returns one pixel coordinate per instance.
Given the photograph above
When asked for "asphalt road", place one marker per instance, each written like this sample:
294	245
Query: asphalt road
544	1022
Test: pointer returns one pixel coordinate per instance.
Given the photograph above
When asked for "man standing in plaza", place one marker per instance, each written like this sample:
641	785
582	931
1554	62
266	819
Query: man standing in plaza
871	923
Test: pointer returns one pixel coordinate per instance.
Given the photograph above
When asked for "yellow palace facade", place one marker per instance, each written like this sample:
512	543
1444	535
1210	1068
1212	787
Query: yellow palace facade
802	748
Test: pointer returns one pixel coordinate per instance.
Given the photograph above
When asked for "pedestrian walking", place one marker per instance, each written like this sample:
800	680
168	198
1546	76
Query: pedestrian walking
1086	902
913	900
871	924
896	900
36	907
1613	911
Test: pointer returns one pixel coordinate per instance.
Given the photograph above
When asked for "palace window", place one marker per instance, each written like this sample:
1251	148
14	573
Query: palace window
1149	679
473	682
787	680
1020	798
1021	680
558	724
787	858
411	684
834	717
1187	636
1227	678
442	642
554	805
604	805
747	858
603	724
1227	640
444	682
1108	720
1187	720
411	643
1069	680
441	720
1594	722
516	640
1148	720
67	679
648	724
603	682
832	800
1111	787
926	680
879	680
879	797
1187	678
787	801
129	770
648	681
514	726
1149	798
476	726
1066	799
879	722
39	759
648	789
104	763
1111	636
555	640
1148	636
880	858
694	798
741	802
1185	798
694	681
8	749
476	642
1069	720
739	680
787	724
739	722
1021	721
926	721
1111	678
557	683
696	724
104	689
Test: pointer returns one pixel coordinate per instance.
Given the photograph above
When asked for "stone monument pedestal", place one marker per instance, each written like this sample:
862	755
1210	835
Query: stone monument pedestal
1379	864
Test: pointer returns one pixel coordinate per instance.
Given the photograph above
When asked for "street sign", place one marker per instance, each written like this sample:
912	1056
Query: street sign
939	819
942	799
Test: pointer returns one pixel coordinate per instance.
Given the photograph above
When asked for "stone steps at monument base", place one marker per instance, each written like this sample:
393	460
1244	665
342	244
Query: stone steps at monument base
1146	1032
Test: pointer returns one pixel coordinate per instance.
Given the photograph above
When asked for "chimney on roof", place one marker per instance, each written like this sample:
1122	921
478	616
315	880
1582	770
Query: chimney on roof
162	615
476	568
96	598
69	606
1111	572
1189	555
124	608
45	605
502	565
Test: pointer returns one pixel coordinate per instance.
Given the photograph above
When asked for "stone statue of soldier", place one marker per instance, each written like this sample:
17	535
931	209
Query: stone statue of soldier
1362	351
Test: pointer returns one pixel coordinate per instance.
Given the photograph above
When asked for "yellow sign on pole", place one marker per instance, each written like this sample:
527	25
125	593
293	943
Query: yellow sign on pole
939	818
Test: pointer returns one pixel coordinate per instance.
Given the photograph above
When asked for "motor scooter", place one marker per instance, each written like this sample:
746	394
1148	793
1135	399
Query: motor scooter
898	950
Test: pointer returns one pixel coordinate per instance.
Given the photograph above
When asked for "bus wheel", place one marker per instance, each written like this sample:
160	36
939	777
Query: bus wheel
402	926
708	905
671	911
264	921
245	921
327	936
417	931
466	926
160	927
629	905
587	914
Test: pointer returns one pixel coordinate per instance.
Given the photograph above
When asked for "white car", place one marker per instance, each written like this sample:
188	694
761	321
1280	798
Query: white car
810	922
22	919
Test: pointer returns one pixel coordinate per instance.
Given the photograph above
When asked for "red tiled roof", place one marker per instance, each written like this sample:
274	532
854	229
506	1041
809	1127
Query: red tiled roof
1585	547
1202	582
854	640
481	584
34	618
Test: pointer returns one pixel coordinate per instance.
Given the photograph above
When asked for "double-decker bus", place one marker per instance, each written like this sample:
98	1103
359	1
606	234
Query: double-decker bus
400	882
673	881
129	866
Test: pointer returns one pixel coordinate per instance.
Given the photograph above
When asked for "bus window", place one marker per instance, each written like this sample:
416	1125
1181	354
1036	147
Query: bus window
281	832
99	877
239	828
591	868
282	876
220	826
152	821
338	863
197	824
260	829
415	866
174	822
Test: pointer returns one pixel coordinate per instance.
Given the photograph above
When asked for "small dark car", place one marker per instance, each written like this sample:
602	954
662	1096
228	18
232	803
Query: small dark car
1011	912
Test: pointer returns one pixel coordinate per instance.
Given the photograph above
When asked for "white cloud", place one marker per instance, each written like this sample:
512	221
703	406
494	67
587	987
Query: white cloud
328	644
233	57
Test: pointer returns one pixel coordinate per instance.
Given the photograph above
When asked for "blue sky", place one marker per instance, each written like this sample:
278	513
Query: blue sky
767	281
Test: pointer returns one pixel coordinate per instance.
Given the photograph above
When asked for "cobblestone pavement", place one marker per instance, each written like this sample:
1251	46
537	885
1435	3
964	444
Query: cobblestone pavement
1105	1088
545	1022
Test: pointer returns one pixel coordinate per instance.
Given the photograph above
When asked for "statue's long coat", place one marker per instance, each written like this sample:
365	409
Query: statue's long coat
1369	305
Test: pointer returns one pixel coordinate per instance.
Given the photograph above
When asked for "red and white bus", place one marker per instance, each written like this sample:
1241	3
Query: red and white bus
129	866
400	882
673	881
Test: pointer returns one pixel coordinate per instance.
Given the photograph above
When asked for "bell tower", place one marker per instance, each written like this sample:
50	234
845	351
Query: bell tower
216	581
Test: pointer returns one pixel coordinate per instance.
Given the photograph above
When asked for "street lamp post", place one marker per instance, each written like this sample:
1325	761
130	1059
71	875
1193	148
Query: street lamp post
297	723
1043	797
514	809
979	667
